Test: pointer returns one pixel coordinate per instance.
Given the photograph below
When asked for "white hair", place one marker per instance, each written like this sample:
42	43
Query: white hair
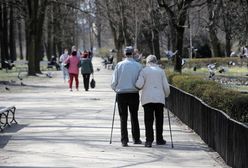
151	59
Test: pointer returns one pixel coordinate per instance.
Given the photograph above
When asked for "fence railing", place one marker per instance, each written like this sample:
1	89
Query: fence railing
224	135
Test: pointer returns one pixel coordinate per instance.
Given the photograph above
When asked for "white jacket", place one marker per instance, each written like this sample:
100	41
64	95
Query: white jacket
153	82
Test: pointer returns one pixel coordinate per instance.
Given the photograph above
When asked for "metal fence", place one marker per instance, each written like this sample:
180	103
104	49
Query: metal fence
224	135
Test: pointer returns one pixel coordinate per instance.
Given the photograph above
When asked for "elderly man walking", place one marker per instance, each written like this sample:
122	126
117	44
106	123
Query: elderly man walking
124	78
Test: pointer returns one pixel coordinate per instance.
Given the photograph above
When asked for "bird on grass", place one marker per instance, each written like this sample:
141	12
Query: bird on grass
221	70
19	77
22	84
12	81
49	75
211	75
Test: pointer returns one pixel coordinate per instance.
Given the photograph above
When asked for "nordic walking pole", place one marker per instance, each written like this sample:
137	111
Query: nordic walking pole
113	120
172	146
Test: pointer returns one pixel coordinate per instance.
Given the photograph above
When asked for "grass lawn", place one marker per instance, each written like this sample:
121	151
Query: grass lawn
10	80
236	72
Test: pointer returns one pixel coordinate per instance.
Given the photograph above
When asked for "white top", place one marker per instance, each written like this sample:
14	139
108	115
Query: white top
246	52
63	57
153	82
125	76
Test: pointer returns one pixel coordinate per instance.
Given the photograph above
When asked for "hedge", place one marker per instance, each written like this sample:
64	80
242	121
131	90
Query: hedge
232	102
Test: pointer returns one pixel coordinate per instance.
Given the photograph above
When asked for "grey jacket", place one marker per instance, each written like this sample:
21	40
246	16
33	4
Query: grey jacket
125	76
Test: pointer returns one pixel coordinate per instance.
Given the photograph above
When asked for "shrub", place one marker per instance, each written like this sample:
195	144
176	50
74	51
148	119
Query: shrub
239	109
232	102
103	52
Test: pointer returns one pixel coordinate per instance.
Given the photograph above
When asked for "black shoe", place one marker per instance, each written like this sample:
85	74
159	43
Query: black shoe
148	144
124	144
161	142
137	142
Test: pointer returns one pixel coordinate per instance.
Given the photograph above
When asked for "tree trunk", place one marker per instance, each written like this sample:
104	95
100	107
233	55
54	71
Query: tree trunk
98	24
215	43
49	39
54	48
31	52
35	19
156	44
1	38
179	46
179	41
99	36
12	44
228	45
213	8
5	46
20	39
119	42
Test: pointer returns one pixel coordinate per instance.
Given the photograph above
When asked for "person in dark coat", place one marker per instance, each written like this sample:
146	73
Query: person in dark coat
86	70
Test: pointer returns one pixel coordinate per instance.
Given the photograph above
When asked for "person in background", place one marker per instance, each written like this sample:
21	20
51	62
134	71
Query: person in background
155	88
62	60
246	51
86	70
73	70
53	62
137	56
124	77
84	54
74	48
90	54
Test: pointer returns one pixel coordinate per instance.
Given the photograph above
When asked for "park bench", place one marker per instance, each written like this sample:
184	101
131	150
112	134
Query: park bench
21	65
8	64
45	65
7	116
108	62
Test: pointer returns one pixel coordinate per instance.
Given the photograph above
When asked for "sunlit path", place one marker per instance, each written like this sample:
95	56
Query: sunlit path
61	129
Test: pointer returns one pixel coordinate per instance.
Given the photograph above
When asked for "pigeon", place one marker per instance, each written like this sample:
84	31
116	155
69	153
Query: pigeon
18	76
12	81
221	70
49	75
22	84
6	88
98	69
211	75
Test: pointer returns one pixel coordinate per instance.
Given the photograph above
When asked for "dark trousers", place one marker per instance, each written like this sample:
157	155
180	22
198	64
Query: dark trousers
129	101
71	80
151	110
86	78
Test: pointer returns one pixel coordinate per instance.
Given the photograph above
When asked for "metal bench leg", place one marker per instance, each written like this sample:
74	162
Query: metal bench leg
13	115
6	120
1	123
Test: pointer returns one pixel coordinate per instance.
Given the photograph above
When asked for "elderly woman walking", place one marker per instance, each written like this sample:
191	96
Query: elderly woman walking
155	88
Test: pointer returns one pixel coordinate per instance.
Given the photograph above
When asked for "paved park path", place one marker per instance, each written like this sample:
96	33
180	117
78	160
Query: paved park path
62	129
